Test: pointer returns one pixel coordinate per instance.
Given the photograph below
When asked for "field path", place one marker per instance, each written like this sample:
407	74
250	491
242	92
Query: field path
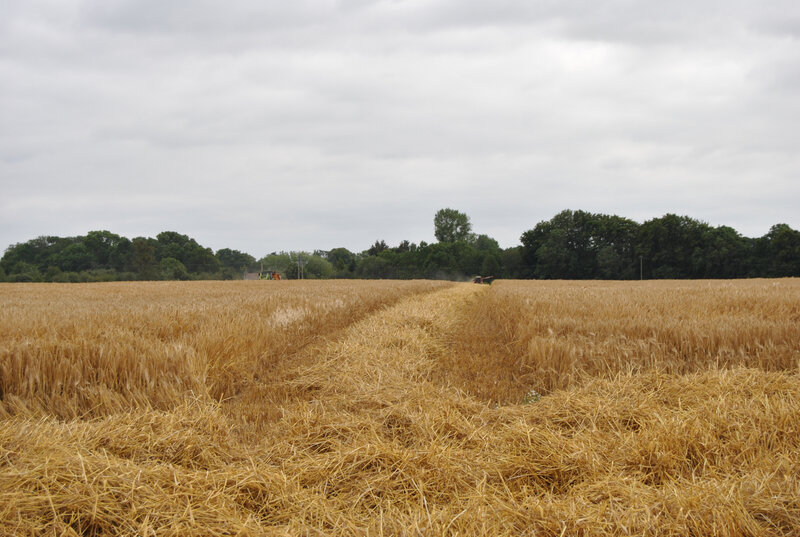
367	438
374	440
380	358
392	351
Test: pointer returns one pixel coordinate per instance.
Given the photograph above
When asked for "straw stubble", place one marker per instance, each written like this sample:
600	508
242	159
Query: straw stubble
665	409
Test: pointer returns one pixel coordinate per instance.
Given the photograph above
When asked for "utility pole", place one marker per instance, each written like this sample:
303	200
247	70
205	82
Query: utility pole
641	277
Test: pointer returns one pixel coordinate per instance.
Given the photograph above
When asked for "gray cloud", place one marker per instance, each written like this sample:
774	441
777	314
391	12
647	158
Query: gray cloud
335	123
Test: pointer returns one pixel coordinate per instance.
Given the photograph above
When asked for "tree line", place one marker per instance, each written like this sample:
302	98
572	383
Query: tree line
571	245
582	245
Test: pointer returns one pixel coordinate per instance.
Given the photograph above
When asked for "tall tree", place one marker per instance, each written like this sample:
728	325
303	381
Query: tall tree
74	258
187	251
172	269
343	260
783	244
377	248
234	259
668	246
722	255
102	244
451	226
143	258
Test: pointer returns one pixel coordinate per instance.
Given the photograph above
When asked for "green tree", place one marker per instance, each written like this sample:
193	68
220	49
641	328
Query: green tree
186	250
723	254
610	265
564	247
490	265
143	258
119	258
377	248
74	258
343	261
484	243
40	252
512	265
451	226
24	272
316	267
404	246
783	245
101	245
172	269
236	260
373	267
669	246
614	239
277	261
581	245
532	240
554	257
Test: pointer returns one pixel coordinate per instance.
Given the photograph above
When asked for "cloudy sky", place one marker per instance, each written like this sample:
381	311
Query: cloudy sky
266	125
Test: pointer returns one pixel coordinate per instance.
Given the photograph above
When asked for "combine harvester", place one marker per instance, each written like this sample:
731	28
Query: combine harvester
263	274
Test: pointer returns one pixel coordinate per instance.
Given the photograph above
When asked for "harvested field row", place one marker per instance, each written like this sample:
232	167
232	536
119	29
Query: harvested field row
90	350
543	336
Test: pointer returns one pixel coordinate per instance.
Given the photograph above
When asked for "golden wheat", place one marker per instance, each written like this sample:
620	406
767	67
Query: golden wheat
404	420
549	335
97	349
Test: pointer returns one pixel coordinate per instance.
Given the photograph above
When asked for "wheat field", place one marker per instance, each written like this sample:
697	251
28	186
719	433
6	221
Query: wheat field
400	408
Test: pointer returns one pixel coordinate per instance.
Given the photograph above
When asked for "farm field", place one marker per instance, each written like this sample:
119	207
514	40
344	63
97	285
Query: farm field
400	408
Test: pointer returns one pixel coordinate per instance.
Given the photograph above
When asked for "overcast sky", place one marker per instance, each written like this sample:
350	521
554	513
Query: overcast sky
313	124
